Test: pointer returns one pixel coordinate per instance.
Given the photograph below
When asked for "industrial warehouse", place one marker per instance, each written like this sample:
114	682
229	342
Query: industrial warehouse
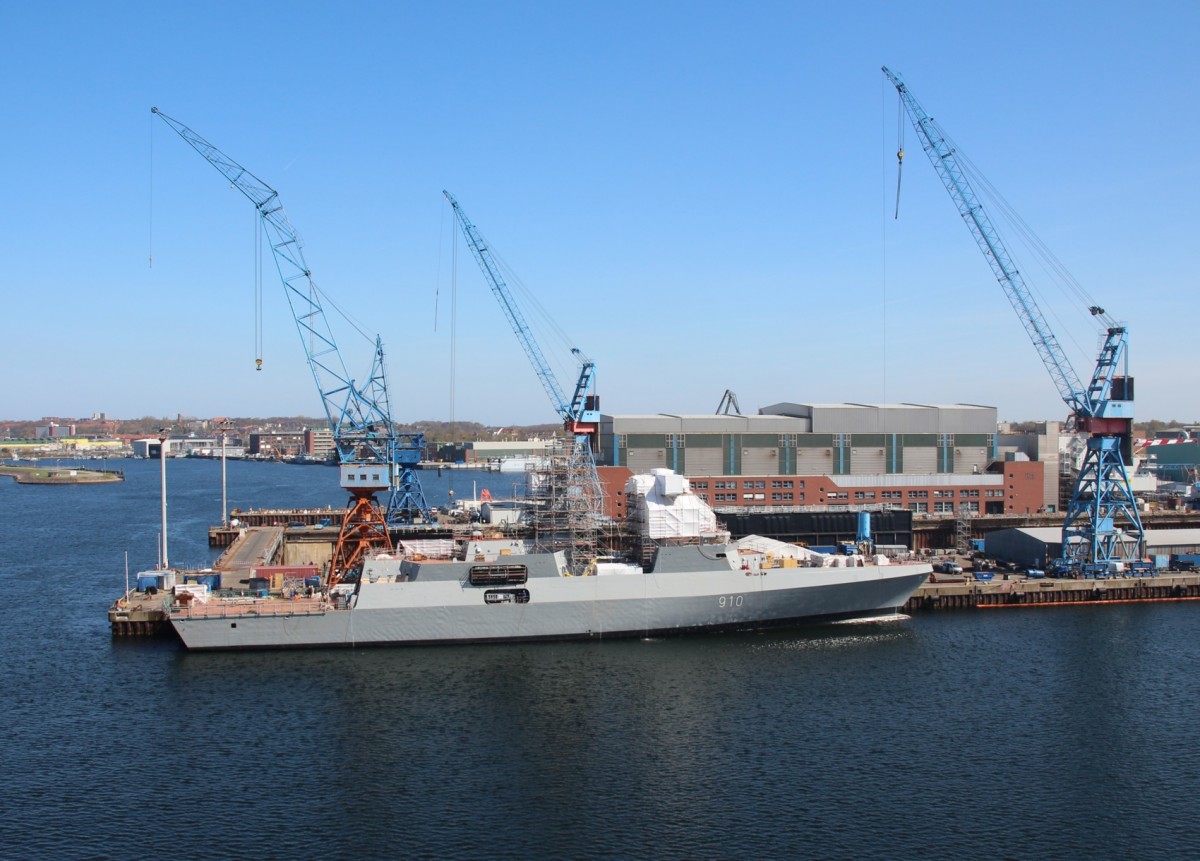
927	459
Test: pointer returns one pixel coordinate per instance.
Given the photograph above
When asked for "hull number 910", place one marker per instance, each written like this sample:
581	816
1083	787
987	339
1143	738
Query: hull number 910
730	601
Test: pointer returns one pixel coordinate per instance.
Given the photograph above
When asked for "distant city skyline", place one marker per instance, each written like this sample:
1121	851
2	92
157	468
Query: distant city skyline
701	199
178	422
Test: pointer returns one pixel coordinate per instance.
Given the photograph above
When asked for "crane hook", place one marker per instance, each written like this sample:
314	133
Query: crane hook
258	364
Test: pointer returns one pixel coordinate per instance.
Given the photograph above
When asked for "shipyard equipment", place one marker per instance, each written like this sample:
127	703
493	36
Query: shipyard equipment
1102	527
358	413
729	404
581	499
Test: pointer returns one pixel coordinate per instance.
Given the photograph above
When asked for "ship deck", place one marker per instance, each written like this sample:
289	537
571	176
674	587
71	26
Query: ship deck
237	607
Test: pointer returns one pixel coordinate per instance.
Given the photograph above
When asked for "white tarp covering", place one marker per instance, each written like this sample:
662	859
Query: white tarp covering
778	549
603	568
501	513
664	505
782	550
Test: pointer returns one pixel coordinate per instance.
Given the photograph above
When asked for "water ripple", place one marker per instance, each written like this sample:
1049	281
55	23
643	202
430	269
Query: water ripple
1017	734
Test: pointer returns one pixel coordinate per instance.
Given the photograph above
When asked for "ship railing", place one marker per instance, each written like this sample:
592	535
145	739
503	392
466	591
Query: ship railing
235	609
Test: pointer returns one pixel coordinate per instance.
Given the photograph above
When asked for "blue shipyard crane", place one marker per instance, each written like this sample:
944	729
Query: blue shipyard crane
580	412
359	414
1102	524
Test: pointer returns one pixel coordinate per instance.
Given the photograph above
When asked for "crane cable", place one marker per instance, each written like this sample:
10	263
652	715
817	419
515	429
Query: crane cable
151	238
1059	276
544	322
453	319
899	149
258	293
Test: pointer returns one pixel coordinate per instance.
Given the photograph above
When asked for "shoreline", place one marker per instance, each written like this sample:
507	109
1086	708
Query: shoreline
60	475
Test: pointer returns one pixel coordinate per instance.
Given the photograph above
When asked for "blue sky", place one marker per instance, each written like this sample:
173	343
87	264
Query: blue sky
700	195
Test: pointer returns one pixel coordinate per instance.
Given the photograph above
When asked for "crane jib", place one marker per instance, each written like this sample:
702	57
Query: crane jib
366	407
1102	528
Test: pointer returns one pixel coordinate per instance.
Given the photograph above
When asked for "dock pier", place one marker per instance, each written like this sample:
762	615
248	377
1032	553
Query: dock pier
138	614
1029	592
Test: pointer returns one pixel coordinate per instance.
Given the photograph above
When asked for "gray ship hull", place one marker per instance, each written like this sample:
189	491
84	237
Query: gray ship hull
690	590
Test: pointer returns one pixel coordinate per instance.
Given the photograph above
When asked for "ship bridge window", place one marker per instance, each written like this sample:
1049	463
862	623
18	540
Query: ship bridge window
498	575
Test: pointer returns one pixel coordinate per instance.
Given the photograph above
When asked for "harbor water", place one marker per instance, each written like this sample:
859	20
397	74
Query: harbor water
1009	733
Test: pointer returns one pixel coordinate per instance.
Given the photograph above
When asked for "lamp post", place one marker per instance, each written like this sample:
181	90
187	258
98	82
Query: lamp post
224	503
163	437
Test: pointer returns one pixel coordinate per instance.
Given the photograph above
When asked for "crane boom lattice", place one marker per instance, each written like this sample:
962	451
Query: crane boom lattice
1102	524
567	493
359	415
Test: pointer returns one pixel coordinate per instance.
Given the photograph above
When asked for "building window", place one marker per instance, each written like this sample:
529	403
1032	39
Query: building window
964	494
918	494
789	496
918	506
699	485
943	508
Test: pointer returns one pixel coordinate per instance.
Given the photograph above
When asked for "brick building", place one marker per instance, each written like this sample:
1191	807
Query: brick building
928	459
